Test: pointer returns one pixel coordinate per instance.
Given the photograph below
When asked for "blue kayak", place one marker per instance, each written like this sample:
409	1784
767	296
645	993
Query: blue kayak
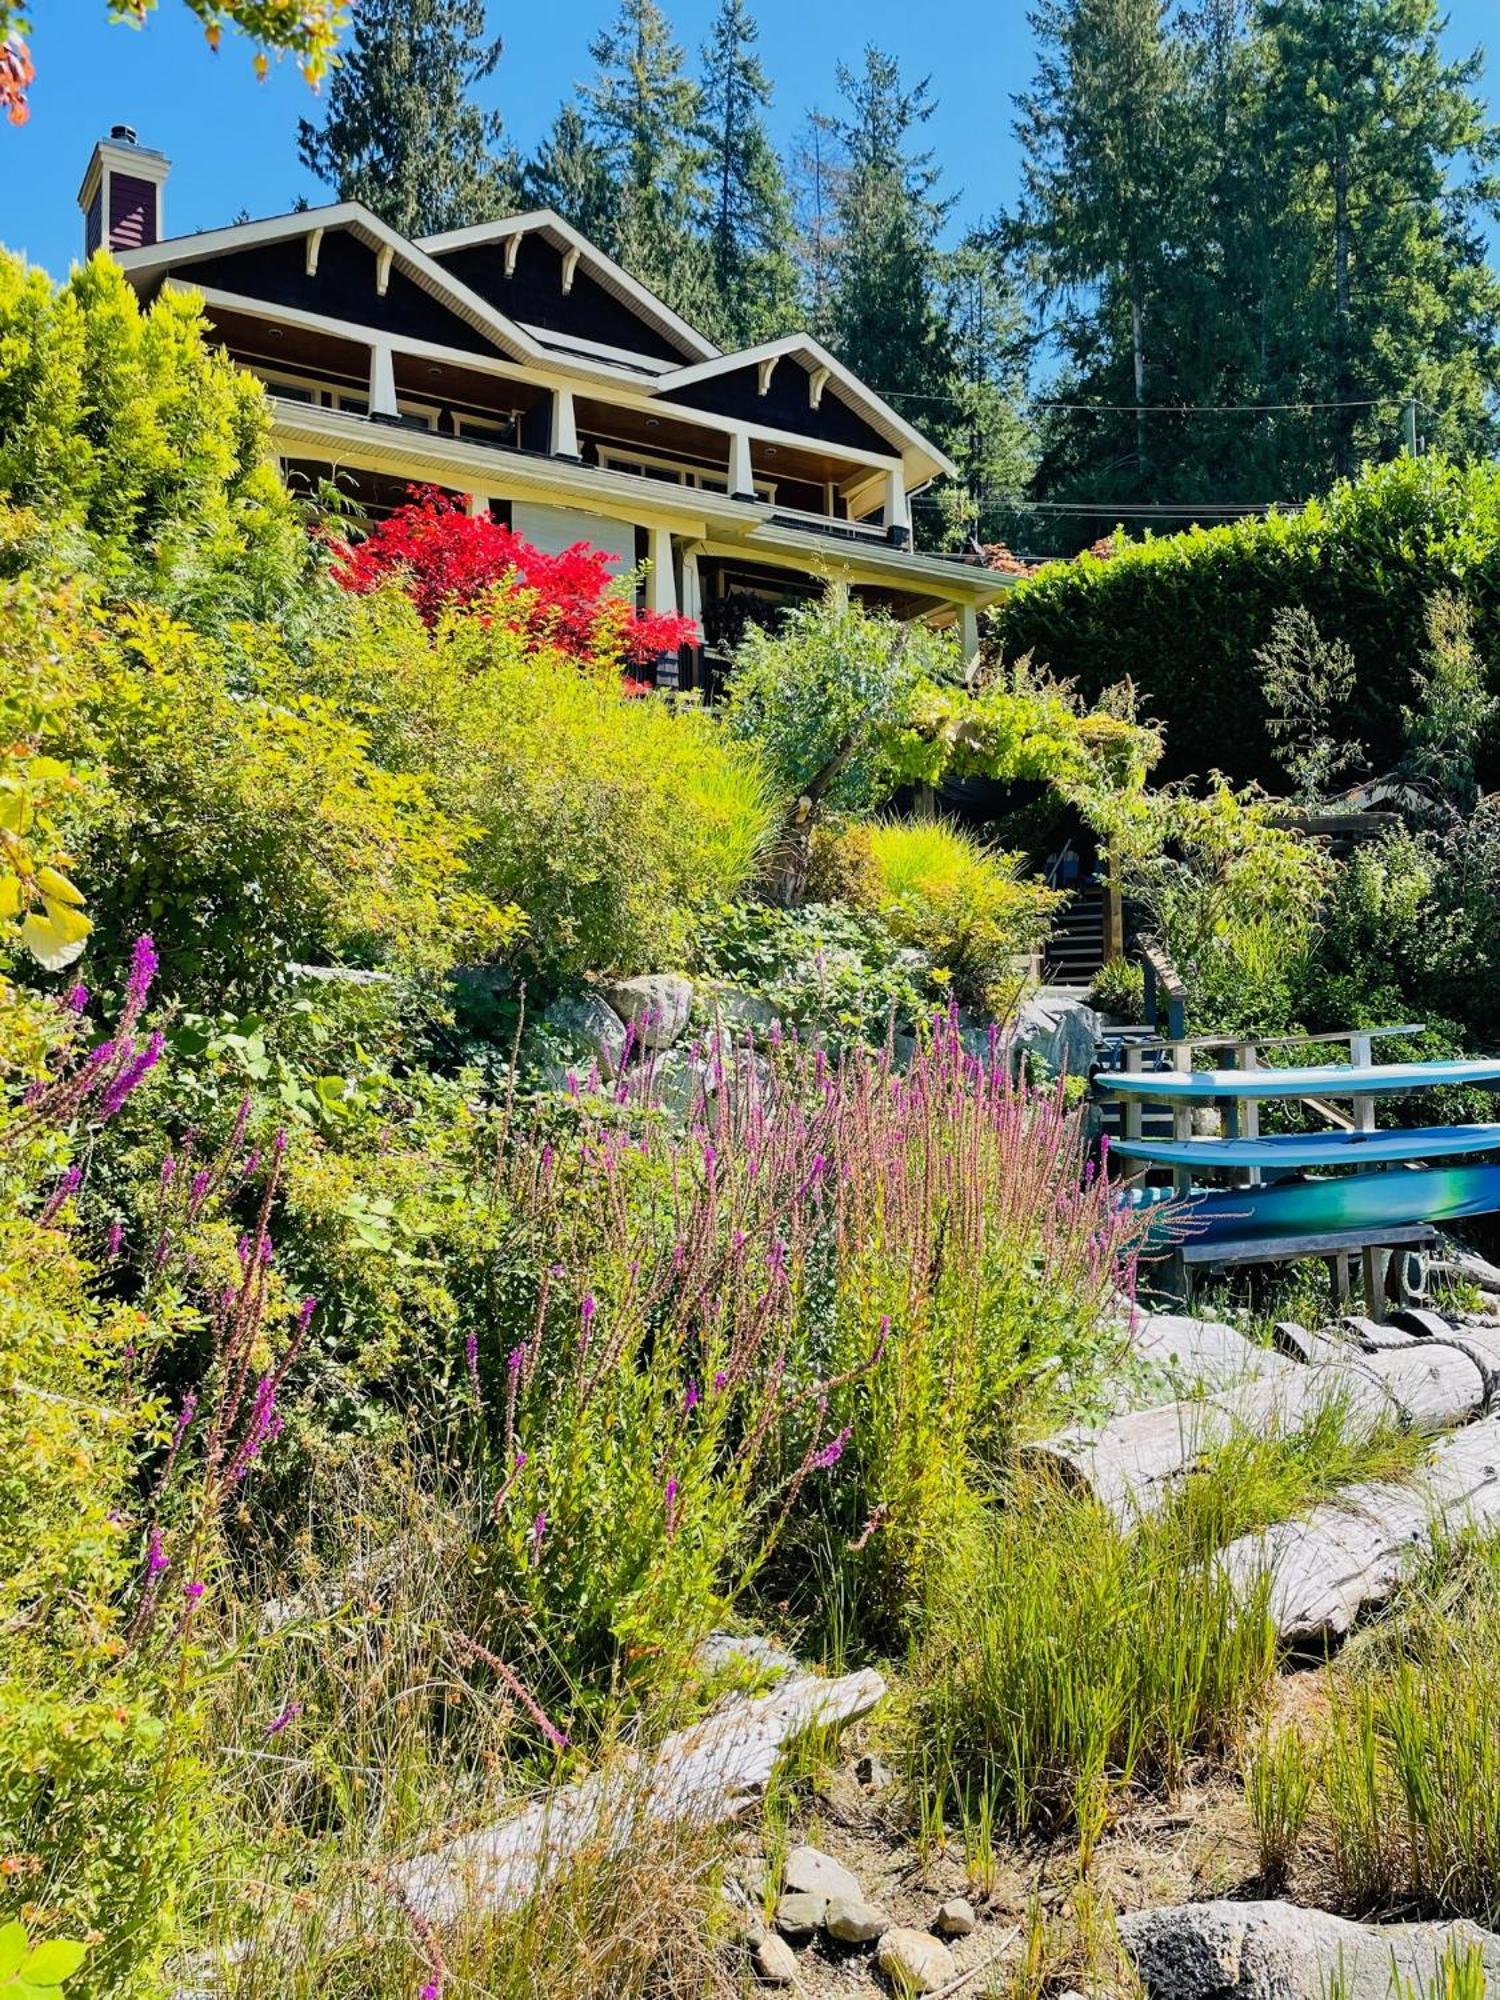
1197	1086
1284	1153
1390	1197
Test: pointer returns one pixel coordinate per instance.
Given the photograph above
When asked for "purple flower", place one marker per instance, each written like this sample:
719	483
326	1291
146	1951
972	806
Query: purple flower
831	1452
157	1558
304	1315
198	1191
68	1185
514	1359
184	1417
133	1075
143	965
471	1362
278	1144
589	1307
289	1714
192	1592
76	998
690	1398
433	1990
721	1382
168	1169
538	1536
114	1237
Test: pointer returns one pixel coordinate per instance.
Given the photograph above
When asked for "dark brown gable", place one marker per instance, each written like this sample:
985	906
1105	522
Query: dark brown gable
343	288
784	407
534	296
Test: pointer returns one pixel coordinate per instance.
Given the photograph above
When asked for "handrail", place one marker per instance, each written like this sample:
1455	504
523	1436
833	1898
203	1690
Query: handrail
1284	1041
1163	982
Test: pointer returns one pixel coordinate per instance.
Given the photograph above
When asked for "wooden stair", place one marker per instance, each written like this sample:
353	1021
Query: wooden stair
1075	950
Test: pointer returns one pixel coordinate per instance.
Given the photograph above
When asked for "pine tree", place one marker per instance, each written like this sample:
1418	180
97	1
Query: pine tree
883	314
819	171
1387	153
400	133
643	115
568	172
753	276
983	421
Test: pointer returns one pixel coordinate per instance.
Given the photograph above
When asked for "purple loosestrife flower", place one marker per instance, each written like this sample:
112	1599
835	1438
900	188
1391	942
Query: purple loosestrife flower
721	1382
184	1417
690	1398
831	1452
586	1320
198	1192
669	1497
192	1591
168	1169
67	1186
157	1558
133	1075
538	1536
433	1990
143	966
76	998
515	1359
304	1316
288	1715
114	1237
471	1362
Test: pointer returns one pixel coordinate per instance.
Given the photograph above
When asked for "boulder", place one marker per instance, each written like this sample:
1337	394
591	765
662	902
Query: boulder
679	1084
590	1026
774	1960
915	1961
854	1922
1056	1030
799	1912
743	1015
657	1005
818	1874
1274	1951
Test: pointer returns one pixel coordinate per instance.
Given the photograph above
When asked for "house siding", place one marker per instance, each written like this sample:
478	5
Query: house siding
534	295
785	406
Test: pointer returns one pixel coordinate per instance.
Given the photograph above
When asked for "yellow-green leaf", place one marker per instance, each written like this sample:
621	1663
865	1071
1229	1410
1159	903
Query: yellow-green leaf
10	906
53	1962
58	889
56	939
12	1947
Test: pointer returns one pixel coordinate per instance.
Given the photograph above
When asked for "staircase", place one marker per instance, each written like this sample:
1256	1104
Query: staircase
1075	950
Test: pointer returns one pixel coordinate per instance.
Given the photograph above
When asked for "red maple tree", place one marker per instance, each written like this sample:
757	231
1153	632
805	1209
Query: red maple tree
446	558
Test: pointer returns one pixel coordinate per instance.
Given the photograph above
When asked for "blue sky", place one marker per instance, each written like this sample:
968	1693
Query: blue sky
232	141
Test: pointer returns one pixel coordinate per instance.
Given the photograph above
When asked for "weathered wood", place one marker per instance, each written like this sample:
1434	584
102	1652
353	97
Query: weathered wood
707	1773
1349	1554
1282	1249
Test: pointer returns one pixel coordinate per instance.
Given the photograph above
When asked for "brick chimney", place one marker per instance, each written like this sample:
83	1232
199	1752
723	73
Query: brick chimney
121	194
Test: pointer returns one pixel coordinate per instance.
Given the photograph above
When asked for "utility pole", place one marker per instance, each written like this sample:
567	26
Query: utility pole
1409	425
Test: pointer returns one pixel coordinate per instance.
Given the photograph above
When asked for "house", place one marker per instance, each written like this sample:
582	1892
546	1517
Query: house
516	365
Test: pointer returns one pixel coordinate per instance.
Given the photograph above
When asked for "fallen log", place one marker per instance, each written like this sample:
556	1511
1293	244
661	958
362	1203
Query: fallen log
1349	1554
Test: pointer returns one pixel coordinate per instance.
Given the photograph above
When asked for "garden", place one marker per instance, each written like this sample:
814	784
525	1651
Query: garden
525	1228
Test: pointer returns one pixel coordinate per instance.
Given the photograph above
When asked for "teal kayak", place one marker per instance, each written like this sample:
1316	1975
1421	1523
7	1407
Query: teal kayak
1391	1197
1284	1153
1198	1086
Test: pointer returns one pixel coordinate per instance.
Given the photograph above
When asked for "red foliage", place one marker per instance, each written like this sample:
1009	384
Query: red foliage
16	74
446	558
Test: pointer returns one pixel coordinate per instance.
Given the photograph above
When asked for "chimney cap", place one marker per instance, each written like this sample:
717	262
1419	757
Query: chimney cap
124	133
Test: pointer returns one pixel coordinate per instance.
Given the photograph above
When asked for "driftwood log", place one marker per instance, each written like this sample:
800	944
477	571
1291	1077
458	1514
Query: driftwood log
1350	1553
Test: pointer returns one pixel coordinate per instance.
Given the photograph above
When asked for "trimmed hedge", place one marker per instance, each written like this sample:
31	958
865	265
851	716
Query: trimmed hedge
1183	616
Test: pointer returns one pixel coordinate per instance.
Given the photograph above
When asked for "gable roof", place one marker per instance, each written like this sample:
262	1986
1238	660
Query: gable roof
905	437
376	235
546	222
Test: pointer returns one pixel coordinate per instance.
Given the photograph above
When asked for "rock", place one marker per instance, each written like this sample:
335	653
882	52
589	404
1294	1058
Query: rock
1273	1951
743	1014
800	1911
590	1025
1057	1031
723	1650
656	1005
750	1873
774	1960
678	1084
956	1918
854	1922
807	1868
915	1961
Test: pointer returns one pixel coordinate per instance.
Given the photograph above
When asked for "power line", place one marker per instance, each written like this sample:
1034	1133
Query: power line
1165	409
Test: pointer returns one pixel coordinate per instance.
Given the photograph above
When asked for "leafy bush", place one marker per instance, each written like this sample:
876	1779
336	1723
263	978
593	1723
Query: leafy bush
1183	617
967	908
1119	989
826	969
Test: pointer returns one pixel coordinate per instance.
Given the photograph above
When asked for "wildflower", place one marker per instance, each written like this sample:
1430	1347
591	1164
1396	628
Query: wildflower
721	1382
198	1192
192	1591
669	1496
690	1398
157	1558
68	1185
143	967
133	1074
304	1315
168	1169
76	998
288	1715
184	1417
514	1360
831	1452
471	1361
433	1990
538	1536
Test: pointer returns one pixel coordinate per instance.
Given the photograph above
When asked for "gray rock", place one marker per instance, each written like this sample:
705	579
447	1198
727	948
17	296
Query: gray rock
592	1026
1274	1951
752	1650
774	1960
750	1873
854	1922
743	1013
679	1084
656	1005
956	1918
1060	1032
915	1961
809	1869
799	1912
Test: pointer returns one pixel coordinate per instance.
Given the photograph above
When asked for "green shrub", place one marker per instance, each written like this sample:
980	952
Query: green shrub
1119	989
1183	617
826	969
967	908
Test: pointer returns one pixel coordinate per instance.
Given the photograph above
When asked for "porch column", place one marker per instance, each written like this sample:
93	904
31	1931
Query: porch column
968	632
564	425
382	381
741	478
897	511
661	598
479	506
692	604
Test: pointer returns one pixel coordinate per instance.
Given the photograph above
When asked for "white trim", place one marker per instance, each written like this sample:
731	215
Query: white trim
569	268
383	258
688	475
817	382
905	437
569	343
512	247
314	245
564	236
766	371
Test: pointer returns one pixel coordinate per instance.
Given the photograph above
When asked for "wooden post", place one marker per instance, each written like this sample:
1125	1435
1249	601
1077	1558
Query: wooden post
1130	1117
1114	912
1182	1116
1373	1261
1247	1057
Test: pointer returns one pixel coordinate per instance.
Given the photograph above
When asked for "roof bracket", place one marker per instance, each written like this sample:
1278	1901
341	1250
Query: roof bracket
314	245
383	267
817	382
766	370
569	267
512	245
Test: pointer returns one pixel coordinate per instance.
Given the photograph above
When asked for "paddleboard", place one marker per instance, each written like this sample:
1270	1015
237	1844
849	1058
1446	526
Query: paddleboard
1388	1198
1329	1080
1285	1152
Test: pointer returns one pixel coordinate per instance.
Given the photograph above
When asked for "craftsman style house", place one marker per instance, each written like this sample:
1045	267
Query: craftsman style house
517	366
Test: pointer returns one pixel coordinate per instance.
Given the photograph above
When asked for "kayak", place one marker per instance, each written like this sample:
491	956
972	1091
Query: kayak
1198	1086
1285	1153
1390	1197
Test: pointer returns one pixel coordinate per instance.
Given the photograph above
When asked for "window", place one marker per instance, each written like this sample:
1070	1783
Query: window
305	389
676	475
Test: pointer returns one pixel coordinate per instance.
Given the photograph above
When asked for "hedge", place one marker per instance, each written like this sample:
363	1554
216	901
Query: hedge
1183	616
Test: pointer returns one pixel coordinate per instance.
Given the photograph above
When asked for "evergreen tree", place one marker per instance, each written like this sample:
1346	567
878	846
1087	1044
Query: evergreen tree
1386	152
883	309
400	133
644	118
983	421
568	172
819	171
753	276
